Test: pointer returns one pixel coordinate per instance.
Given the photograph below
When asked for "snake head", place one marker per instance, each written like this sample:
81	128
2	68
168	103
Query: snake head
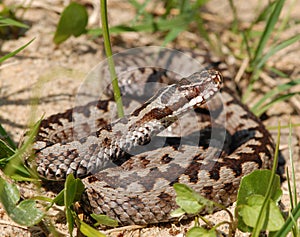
174	100
203	77
199	87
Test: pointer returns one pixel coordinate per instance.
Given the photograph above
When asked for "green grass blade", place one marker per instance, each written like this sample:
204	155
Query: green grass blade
6	138
289	188
246	42
172	35
15	162
286	228
151	26
5	151
287	16
263	15
9	55
184	5
278	72
235	22
140	7
203	32
277	48
277	90
268	31
276	100
292	166
12	22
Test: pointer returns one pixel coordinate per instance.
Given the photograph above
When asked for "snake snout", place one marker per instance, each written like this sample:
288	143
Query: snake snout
216	77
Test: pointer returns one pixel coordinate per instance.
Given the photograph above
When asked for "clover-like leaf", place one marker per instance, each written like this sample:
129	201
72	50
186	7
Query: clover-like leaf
190	201
104	220
24	213
272	216
256	183
178	212
198	231
72	22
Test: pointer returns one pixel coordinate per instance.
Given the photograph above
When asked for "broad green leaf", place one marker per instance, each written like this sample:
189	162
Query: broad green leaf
73	21
59	199
70	219
90	231
256	183
73	190
198	231
190	201
74	184
104	220
272	216
24	213
79	188
9	195
187	199
177	213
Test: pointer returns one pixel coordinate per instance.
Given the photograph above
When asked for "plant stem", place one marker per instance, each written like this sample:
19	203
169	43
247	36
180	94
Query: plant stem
111	64
262	214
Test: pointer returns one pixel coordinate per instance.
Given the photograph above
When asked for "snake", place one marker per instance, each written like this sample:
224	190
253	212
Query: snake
189	128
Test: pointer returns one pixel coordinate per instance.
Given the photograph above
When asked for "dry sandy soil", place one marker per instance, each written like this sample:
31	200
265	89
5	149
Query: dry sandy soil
54	73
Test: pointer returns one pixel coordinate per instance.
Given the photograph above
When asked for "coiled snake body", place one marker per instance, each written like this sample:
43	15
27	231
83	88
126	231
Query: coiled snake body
131	164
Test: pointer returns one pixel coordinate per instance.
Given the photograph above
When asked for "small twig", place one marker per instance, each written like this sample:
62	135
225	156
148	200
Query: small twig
241	71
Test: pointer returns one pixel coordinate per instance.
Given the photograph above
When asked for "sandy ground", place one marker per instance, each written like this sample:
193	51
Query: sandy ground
54	73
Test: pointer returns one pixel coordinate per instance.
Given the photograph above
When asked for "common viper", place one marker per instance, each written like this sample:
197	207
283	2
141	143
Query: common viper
184	131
